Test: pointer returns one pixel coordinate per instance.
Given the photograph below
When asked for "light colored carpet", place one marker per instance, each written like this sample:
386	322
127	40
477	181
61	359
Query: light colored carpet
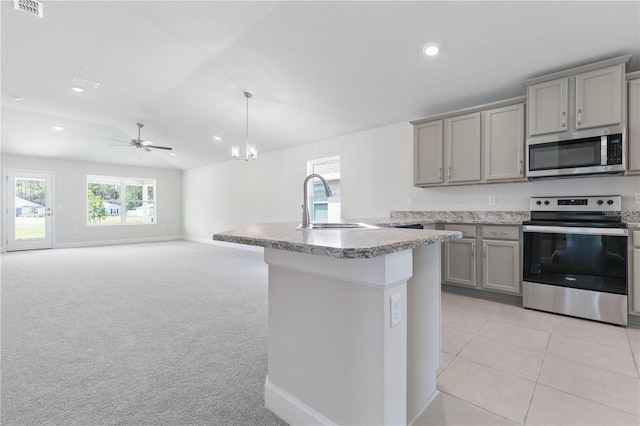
171	333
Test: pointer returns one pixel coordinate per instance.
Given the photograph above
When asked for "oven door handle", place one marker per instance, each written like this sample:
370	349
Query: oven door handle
575	230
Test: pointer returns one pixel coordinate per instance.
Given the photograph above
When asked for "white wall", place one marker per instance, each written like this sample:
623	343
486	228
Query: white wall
70	200
377	177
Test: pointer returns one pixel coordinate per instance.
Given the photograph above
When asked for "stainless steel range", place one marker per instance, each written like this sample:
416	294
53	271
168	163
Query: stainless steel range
575	257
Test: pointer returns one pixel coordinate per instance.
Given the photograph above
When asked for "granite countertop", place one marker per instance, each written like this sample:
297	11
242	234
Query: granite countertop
477	217
339	243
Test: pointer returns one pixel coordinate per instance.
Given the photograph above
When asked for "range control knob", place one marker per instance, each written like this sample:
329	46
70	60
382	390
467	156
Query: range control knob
546	203
600	202
538	202
609	202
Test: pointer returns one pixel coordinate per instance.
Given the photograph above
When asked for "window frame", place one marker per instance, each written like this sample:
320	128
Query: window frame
333	215
121	203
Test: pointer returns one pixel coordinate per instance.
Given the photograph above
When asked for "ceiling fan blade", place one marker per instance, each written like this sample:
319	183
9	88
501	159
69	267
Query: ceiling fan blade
117	140
145	148
159	147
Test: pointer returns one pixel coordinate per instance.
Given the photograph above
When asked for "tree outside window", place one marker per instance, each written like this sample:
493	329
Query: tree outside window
120	201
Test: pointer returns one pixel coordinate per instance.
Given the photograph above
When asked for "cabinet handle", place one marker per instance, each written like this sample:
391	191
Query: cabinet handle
579	117
440	173
449	172
484	250
500	232
564	118
520	166
473	249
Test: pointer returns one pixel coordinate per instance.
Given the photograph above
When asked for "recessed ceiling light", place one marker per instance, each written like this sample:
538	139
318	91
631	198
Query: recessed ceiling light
58	128
173	154
217	138
18	98
431	50
77	89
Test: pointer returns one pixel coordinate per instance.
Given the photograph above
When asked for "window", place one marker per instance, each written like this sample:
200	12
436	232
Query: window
120	201
323	209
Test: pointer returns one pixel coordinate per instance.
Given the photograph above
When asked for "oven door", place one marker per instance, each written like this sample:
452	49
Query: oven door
586	258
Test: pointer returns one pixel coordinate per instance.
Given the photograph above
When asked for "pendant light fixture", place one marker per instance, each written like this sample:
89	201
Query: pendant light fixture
251	151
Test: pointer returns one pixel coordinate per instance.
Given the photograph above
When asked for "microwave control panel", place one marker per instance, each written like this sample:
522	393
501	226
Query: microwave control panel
614	149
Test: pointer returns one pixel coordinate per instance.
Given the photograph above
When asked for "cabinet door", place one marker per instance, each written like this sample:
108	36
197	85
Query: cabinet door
501	266
504	143
599	95
634	125
427	153
462	139
548	105
635	282
459	262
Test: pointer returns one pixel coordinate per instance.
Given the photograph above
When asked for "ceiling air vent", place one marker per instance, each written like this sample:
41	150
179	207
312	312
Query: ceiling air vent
32	7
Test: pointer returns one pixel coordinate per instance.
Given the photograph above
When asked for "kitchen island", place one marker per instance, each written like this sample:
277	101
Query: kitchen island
354	321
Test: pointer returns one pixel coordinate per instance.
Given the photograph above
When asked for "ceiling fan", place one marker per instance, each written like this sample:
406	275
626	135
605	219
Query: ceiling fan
141	143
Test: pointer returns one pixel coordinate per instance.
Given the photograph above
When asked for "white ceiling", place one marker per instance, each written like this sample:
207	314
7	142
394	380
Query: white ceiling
316	69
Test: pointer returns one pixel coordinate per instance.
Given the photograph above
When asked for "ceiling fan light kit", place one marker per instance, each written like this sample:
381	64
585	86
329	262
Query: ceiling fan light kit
251	150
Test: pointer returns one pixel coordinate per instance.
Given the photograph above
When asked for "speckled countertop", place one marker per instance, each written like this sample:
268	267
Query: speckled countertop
367	243
339	243
479	217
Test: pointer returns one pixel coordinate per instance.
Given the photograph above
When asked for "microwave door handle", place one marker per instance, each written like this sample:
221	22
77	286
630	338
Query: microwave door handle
603	151
575	230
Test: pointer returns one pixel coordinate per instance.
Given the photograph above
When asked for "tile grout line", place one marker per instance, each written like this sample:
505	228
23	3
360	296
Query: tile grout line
535	386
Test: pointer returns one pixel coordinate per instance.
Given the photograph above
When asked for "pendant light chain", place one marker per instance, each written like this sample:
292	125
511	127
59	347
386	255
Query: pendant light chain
247	95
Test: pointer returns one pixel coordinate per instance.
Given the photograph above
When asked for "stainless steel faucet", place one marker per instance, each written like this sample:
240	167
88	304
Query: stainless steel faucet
305	205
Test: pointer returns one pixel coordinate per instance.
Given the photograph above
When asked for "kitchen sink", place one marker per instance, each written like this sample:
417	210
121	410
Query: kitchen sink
339	225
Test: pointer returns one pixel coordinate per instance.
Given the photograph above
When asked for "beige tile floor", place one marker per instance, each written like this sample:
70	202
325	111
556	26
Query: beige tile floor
505	365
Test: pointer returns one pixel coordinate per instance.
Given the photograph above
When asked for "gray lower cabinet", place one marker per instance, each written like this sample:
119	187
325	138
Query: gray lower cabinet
459	257
634	272
489	252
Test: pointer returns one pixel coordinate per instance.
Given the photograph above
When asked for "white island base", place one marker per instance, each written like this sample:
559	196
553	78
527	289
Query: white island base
334	357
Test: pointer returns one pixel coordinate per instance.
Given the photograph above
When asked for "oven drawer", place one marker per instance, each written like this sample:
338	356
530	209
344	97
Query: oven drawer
468	231
500	233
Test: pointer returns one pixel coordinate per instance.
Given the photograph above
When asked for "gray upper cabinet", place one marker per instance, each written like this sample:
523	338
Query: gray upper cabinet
548	106
503	139
475	145
462	141
588	99
634	125
427	153
599	97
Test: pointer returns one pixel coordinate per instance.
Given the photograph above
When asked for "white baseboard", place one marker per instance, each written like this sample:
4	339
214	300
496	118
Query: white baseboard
424	406
291	409
116	242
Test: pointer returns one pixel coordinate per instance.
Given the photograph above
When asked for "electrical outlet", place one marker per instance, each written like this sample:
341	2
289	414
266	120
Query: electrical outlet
492	200
410	202
637	197
396	309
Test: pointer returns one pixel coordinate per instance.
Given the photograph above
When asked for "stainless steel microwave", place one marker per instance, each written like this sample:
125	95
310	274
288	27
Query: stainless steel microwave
580	156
